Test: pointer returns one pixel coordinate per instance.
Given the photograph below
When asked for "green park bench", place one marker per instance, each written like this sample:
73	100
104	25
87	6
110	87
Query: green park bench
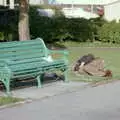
26	59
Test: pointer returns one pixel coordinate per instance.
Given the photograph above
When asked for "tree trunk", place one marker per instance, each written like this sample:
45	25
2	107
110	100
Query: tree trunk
23	25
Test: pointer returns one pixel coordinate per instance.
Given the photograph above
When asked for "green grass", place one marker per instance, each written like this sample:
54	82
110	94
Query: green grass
110	55
8	100
87	44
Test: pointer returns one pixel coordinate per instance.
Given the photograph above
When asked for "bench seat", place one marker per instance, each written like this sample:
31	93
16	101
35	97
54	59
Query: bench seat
36	68
26	59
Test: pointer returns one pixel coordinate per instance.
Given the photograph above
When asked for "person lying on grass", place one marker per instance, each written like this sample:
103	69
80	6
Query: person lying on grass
90	65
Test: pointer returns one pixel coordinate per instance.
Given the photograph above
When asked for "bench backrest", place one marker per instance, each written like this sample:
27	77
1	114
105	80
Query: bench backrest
21	50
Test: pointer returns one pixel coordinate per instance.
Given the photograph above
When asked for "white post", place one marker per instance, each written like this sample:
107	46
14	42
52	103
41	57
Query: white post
92	8
117	20
2	2
5	2
12	4
72	7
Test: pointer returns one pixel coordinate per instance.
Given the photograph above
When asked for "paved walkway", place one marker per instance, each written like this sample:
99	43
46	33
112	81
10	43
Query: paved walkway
50	89
91	103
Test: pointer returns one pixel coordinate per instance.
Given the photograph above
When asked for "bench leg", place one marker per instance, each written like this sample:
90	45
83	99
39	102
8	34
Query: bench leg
66	76
39	81
7	86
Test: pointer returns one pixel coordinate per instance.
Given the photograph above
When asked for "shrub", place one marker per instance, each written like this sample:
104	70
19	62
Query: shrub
80	29
110	32
59	28
8	25
43	26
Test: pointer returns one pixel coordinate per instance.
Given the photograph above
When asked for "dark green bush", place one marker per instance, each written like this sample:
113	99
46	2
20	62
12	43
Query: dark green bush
110	32
96	24
42	26
59	28
8	25
80	29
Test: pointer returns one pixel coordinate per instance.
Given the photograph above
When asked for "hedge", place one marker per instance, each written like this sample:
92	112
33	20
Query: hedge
110	32
59	28
8	25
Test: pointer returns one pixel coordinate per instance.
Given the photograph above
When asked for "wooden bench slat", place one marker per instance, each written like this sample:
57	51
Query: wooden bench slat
25	66
25	75
23	61
18	43
27	56
34	72
22	53
26	71
20	48
35	64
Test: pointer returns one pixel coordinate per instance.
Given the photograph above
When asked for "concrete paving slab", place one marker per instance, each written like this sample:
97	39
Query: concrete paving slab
92	103
47	90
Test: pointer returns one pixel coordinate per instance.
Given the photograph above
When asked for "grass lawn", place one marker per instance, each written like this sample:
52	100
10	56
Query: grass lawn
87	44
110	55
8	100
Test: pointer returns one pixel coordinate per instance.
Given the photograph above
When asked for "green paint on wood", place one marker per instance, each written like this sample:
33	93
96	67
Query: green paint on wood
25	59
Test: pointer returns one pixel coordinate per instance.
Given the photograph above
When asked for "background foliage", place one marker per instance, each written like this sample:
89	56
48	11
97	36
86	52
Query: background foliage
8	25
58	28
110	32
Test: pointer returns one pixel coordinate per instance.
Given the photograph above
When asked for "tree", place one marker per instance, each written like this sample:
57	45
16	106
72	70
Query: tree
23	25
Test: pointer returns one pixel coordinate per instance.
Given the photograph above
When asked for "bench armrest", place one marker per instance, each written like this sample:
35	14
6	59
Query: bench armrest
65	53
5	72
